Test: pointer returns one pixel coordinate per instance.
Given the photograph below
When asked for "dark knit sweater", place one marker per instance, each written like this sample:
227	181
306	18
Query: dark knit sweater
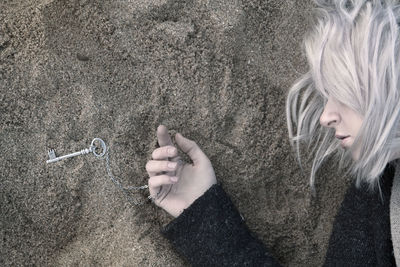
211	231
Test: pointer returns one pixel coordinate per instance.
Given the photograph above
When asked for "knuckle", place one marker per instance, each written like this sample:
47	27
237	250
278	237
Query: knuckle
168	150
165	151
166	163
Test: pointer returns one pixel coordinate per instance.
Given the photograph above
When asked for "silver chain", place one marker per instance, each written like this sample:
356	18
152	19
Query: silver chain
125	190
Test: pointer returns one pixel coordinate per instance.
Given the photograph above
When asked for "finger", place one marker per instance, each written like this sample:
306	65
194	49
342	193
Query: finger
155	166
164	152
163	136
156	181
191	148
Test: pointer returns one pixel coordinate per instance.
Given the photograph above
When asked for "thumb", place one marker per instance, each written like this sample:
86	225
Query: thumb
191	148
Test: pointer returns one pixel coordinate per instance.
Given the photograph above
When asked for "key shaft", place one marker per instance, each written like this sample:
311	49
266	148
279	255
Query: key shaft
82	152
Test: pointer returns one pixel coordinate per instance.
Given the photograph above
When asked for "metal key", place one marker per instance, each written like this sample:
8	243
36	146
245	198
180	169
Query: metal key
92	148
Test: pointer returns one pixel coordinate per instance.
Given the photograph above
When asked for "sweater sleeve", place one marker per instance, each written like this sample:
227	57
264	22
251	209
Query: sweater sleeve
211	232
361	231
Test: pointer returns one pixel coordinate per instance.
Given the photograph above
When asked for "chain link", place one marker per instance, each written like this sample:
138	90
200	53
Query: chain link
125	190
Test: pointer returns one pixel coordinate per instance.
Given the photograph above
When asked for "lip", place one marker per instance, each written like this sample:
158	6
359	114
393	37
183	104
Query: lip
344	141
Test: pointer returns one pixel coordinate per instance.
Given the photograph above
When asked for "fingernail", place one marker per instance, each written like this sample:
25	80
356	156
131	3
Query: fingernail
171	165
174	179
171	151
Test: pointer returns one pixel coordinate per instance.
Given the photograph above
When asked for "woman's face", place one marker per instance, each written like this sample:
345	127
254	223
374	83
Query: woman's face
344	120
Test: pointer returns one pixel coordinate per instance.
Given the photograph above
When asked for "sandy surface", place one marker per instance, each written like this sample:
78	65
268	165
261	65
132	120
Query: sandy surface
216	71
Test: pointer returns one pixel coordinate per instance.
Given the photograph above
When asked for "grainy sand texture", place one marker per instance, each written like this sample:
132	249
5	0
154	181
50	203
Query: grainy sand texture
215	70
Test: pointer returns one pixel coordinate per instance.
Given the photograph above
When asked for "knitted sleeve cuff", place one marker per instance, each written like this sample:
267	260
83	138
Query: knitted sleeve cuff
212	232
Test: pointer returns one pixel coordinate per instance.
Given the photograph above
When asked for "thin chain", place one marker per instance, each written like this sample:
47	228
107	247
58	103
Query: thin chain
125	190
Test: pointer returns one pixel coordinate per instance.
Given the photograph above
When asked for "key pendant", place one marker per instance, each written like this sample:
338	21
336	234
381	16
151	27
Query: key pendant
53	158
92	148
103	155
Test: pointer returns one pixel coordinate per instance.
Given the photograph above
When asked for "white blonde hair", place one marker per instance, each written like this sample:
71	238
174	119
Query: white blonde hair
353	54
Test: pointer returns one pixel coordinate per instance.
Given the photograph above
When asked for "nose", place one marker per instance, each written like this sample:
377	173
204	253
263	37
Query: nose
330	116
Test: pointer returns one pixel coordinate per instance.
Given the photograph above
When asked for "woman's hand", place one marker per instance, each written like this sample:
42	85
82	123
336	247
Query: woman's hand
174	184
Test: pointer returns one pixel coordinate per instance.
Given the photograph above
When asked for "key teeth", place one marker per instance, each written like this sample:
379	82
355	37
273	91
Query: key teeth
52	154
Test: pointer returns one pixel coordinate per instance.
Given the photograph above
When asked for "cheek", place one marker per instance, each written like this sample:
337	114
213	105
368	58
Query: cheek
354	121
357	124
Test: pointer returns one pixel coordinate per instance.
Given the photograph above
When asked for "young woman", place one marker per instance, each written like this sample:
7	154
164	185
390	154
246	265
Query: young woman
346	106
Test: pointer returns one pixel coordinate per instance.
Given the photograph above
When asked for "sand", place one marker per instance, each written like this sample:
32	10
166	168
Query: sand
215	71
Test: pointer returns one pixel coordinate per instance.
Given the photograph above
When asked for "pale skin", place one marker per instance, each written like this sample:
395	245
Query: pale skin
175	185
344	120
180	183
